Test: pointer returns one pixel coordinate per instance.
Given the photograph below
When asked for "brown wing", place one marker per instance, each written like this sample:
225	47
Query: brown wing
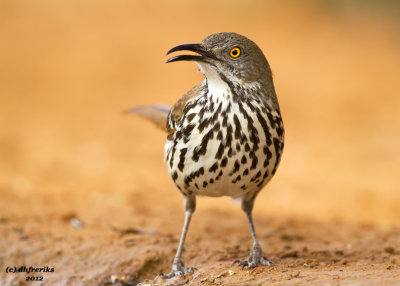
176	113
163	116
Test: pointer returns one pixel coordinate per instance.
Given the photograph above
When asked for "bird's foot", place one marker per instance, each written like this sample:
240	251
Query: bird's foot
178	269
255	258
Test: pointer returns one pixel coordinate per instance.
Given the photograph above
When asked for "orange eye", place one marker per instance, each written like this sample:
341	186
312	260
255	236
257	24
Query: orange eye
235	52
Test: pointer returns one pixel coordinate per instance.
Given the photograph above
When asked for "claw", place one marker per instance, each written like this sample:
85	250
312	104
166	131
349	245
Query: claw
178	269
249	263
240	262
254	259
266	262
191	269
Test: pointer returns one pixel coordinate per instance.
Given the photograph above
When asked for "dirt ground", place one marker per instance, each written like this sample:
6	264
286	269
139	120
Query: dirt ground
84	190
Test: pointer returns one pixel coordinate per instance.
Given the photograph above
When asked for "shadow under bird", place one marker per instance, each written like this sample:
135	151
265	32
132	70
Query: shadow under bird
226	135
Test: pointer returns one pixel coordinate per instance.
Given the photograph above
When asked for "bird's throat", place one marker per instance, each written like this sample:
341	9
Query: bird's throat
217	87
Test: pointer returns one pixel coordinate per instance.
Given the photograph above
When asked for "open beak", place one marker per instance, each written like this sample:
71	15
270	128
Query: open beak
203	54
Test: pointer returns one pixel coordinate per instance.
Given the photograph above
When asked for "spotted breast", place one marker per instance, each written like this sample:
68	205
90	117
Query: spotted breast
227	142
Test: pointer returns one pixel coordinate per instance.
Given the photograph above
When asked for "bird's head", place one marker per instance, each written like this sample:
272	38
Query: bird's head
228	55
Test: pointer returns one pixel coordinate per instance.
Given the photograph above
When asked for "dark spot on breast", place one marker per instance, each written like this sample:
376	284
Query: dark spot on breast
178	135
251	154
175	176
236	166
265	127
254	163
204	124
201	171
218	111
246	172
231	152
214	167
225	121
255	147
256	176
204	142
243	111
237	147
171	162
236	179
229	132
188	179
228	108
238	126
268	157
224	161
244	159
220	151
202	148
277	145
279	131
201	113
219	136
195	156
188	130
271	119
211	107
205	184
190	117
181	163
278	149
243	139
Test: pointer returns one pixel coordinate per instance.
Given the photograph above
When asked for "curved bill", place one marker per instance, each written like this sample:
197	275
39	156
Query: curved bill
203	54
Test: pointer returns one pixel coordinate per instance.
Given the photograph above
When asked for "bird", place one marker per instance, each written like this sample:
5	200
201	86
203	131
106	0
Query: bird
225	136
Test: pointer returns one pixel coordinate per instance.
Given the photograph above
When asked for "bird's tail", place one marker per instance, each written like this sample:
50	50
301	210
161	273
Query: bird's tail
157	114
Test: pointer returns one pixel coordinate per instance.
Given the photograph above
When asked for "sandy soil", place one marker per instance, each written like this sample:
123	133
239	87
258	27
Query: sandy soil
84	190
304	252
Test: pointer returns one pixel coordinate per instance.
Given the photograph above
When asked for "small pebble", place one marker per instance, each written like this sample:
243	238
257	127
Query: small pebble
113	278
76	223
390	250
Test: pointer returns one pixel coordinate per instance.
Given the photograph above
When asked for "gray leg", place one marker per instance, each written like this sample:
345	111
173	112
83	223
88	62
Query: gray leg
178	267
256	256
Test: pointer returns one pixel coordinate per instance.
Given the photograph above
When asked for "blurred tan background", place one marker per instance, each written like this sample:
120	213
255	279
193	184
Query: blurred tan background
69	68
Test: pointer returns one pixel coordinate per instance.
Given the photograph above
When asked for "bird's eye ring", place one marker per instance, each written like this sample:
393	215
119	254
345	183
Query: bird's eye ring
235	52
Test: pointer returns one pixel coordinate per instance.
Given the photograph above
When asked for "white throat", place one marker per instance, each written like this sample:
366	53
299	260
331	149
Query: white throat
216	86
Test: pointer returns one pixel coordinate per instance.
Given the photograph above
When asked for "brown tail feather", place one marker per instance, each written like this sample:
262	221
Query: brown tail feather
157	114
